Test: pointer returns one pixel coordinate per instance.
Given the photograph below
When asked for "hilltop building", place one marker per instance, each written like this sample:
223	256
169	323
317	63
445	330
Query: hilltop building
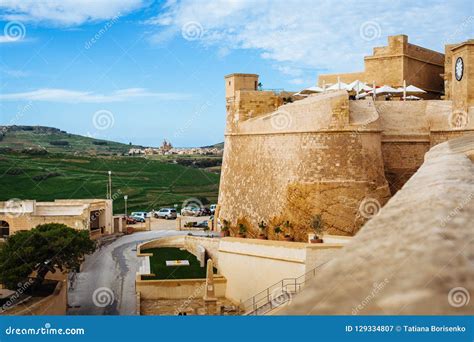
331	156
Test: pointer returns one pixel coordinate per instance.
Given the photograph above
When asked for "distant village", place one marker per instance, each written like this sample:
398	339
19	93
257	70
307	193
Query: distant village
167	148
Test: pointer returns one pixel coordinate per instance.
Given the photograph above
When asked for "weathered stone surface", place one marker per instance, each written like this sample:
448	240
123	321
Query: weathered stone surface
416	256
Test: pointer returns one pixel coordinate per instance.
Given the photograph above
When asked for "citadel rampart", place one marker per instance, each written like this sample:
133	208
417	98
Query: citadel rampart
414	255
396	62
328	155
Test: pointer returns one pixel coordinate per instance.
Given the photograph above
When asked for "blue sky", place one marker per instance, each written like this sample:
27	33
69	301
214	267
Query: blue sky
142	70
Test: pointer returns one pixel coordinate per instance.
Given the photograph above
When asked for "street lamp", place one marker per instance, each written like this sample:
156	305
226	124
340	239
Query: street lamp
125	199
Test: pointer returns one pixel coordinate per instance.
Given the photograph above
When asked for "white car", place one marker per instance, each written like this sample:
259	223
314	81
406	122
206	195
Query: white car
166	213
140	216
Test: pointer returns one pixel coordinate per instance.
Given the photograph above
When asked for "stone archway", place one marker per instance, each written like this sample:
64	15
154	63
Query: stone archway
4	229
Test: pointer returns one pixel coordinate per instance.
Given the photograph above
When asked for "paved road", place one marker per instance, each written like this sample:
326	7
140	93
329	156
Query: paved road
110	273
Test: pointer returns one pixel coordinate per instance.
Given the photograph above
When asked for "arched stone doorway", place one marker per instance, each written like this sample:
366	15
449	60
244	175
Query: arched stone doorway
4	229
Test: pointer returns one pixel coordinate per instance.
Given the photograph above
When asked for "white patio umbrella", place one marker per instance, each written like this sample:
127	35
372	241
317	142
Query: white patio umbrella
411	89
338	86
385	89
412	97
362	95
310	90
358	86
415	90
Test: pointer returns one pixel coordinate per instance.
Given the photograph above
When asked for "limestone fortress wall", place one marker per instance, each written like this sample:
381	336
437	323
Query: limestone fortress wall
324	155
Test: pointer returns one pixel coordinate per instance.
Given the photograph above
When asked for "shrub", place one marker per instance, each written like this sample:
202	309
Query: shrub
46	176
45	248
59	143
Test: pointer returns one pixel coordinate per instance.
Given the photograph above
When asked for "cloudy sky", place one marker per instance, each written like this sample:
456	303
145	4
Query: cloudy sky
143	70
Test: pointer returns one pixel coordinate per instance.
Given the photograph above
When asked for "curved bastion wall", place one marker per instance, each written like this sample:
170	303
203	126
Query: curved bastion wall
320	155
413	258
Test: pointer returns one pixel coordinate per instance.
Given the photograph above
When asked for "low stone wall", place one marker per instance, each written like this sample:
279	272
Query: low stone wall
178	288
54	304
245	266
251	265
169	241
211	245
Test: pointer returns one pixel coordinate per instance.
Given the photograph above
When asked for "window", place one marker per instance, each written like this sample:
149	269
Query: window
4	229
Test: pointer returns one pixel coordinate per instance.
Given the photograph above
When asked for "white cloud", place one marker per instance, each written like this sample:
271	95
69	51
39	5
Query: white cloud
66	12
74	96
323	35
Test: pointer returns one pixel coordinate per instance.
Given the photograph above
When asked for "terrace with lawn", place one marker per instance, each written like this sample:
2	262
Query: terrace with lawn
161	271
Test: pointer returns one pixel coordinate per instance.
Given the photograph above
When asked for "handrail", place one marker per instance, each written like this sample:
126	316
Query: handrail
282	289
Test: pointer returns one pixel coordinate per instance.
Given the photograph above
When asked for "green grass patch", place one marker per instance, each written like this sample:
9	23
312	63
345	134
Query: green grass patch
161	271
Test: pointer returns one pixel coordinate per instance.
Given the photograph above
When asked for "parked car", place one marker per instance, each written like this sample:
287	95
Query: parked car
212	208
130	220
139	216
190	211
202	224
204	212
141	213
166	213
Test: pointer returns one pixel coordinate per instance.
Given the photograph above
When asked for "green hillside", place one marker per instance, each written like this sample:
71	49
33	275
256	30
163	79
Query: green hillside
55	140
149	184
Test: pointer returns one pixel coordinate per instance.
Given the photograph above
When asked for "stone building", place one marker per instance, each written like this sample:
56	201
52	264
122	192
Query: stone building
335	157
397	62
94	215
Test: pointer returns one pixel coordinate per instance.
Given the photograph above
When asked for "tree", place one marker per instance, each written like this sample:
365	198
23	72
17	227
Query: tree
43	249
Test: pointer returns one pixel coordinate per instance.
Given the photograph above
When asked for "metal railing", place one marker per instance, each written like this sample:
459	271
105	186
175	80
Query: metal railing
276	295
